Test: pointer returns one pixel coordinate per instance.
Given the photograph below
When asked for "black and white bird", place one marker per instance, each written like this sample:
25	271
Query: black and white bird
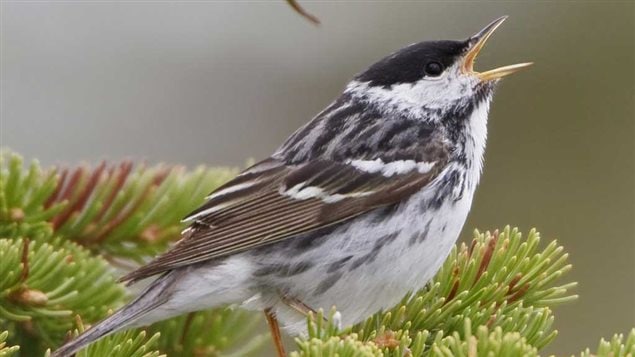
357	208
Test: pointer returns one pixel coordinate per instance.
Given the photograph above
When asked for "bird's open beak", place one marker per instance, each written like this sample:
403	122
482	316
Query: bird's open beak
477	42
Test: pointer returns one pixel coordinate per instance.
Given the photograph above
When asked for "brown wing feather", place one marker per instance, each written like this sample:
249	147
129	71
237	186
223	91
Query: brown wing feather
235	220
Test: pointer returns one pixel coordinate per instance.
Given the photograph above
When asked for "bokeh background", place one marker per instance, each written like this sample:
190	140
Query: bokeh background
216	83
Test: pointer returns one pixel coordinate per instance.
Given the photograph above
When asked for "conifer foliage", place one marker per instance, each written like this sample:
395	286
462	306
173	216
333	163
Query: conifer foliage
66	234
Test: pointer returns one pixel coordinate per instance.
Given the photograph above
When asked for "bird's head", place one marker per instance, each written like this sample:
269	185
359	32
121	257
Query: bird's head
431	76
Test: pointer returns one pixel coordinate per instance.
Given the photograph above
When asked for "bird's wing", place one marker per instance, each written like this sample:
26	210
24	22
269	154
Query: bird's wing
272	201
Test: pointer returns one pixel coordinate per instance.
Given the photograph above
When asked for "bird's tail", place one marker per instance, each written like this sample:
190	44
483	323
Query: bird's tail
152	297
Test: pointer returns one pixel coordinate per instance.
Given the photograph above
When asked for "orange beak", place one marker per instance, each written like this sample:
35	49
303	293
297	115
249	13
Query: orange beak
478	41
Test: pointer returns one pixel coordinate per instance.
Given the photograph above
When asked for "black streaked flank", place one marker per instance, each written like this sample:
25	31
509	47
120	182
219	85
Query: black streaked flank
327	283
372	255
283	270
420	236
338	264
414	237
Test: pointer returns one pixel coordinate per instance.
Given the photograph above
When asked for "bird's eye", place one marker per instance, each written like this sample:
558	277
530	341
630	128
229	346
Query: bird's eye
433	69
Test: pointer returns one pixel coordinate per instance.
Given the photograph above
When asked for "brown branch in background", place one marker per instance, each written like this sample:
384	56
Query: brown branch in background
23	295
60	184
69	186
297	8
163	172
25	260
125	213
487	255
78	202
121	173
66	195
78	187
455	286
94	179
132	207
515	280
519	293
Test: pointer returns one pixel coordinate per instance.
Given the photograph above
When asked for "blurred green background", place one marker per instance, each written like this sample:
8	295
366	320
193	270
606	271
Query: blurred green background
220	82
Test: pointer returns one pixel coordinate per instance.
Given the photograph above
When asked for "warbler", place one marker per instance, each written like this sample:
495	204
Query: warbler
358	207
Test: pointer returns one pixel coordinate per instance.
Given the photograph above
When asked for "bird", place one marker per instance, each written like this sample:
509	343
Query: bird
357	208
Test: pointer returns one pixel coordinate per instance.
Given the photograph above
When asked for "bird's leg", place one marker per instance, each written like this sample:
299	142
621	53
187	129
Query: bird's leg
304	309
272	321
296	304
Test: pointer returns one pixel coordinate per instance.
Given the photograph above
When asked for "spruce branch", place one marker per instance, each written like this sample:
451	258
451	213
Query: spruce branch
54	222
493	297
118	210
326	341
616	347
5	350
486	342
335	346
23	194
131	343
128	211
215	332
43	285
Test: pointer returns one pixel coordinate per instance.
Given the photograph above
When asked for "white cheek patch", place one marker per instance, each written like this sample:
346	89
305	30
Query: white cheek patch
431	93
388	169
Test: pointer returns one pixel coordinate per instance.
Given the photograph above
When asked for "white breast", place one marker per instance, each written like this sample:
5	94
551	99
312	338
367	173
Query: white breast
475	147
400	267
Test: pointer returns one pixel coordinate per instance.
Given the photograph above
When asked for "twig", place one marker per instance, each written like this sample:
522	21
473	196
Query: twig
297	8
